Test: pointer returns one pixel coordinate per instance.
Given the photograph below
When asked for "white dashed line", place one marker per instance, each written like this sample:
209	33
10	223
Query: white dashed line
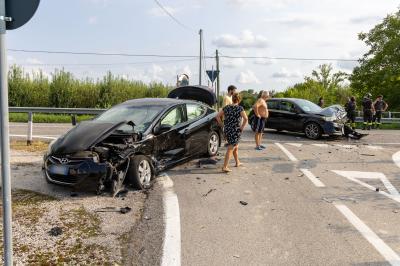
368	234
288	153
312	177
374	147
321	145
346	146
172	240
396	158
298	145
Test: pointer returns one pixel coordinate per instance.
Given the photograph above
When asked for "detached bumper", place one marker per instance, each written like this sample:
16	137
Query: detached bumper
74	173
332	128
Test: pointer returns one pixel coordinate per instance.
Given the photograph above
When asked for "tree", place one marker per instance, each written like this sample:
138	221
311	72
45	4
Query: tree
379	69
326	78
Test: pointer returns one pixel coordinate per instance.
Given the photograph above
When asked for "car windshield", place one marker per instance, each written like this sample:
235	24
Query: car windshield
308	106
142	116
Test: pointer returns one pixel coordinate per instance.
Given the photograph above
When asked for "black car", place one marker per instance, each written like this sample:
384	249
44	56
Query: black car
133	141
300	115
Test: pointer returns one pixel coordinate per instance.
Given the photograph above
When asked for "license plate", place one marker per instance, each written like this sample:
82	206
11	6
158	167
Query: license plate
58	169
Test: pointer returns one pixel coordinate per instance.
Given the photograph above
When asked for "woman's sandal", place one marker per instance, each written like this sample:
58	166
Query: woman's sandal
226	170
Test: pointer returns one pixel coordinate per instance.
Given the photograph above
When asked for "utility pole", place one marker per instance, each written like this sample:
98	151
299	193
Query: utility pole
201	54
218	73
5	142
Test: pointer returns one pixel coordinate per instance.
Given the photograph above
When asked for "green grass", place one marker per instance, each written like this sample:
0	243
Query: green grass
47	118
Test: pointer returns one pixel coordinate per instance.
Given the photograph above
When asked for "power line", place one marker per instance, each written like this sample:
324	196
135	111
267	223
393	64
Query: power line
172	17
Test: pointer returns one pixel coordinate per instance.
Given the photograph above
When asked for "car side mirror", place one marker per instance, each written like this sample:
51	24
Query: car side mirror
159	129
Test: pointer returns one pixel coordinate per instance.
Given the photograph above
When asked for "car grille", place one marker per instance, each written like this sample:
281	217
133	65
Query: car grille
64	179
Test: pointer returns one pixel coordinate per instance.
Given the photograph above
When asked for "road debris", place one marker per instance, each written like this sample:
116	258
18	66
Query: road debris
300	175
243	203
55	231
236	256
395	211
114	209
211	190
147	217
286	178
377	189
366	154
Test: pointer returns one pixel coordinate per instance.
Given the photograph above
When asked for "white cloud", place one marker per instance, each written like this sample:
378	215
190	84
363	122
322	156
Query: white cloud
34	61
284	74
233	62
158	12
10	58
247	77
104	3
349	65
258	3
246	40
370	19
264	61
92	20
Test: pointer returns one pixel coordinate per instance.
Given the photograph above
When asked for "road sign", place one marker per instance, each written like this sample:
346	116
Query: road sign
19	12
212	74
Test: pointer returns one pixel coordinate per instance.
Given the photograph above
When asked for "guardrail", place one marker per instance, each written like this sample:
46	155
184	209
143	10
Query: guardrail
387	117
48	110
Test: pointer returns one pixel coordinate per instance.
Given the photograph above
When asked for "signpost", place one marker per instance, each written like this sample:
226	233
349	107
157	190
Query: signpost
13	14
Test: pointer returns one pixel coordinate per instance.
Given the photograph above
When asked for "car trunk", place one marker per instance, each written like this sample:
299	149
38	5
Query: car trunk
197	93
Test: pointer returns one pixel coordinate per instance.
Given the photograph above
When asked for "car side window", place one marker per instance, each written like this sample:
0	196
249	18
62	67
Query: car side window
174	117
272	105
288	107
194	111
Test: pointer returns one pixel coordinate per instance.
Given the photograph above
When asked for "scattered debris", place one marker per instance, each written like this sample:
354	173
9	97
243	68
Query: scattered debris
300	175
236	256
198	178
125	210
365	154
377	189
122	193
147	217
243	203
327	200
141	250
211	190
396	211
286	178
55	231
114	209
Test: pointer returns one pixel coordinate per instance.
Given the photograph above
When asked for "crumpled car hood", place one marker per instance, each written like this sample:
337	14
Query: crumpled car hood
84	136
334	110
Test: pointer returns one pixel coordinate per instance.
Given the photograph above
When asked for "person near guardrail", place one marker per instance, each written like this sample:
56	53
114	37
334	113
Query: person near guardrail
380	106
351	107
368	110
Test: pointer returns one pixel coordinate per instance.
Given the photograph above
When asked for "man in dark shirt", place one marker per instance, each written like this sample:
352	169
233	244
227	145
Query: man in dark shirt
351	112
368	110
380	106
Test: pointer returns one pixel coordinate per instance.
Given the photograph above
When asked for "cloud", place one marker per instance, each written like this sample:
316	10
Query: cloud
260	3
233	62
365	20
104	3
34	61
295	21
158	12
264	61
349	65
247	77
284	74
246	40
10	58
92	20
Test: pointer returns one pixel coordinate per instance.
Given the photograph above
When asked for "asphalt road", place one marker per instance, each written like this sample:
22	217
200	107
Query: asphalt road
308	203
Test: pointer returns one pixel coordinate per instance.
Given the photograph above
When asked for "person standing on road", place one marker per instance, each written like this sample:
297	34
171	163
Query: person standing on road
261	113
228	97
380	106
351	107
235	119
368	110
321	102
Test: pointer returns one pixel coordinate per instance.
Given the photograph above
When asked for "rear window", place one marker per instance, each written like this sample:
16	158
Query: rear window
272	105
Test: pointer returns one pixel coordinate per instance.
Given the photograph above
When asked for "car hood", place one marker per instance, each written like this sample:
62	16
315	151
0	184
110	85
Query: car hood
334	110
84	136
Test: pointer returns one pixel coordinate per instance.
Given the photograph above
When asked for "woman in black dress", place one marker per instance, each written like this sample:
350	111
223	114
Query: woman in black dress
235	119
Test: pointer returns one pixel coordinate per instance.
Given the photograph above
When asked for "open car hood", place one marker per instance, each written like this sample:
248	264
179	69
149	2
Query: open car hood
198	93
84	136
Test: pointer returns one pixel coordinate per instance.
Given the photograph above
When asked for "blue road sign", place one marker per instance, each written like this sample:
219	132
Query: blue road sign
212	74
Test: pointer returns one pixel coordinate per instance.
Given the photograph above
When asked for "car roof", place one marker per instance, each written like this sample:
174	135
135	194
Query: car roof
287	99
157	102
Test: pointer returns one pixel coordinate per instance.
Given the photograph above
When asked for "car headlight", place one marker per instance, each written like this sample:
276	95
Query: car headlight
50	145
329	118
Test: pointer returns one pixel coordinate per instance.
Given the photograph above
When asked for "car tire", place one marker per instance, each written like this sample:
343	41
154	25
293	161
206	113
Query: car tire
140	172
313	130
213	144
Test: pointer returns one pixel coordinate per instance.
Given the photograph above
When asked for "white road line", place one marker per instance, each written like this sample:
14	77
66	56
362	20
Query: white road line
396	158
312	177
298	145
321	145
172	240
368	234
288	153
37	137
346	146
374	147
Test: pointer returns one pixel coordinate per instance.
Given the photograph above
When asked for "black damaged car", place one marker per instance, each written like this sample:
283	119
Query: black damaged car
133	141
298	115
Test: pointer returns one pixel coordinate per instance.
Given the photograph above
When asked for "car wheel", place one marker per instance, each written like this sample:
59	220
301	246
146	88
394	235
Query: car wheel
140	171
213	144
313	131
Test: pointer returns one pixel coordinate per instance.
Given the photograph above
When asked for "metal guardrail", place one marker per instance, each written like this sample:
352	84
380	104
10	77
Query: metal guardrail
48	110
387	117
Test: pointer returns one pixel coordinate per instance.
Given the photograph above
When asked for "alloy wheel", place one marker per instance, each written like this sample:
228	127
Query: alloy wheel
144	171
213	143
312	131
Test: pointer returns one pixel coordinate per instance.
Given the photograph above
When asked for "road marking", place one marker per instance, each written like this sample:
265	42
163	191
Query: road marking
396	158
348	176
368	234
374	147
172	238
35	137
346	146
298	145
321	145
288	153
312	177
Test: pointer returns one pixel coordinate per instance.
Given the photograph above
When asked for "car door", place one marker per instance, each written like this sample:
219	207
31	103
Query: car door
197	130
290	116
273	109
170	144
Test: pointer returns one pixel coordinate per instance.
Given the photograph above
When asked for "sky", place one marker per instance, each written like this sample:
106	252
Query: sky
261	28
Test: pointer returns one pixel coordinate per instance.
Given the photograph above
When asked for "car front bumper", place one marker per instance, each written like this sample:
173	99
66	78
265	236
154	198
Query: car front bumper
73	173
333	128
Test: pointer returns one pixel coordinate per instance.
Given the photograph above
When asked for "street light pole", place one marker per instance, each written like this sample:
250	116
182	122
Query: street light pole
5	142
201	54
218	73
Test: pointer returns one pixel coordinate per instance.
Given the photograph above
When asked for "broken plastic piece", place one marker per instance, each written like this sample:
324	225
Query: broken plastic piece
55	231
243	203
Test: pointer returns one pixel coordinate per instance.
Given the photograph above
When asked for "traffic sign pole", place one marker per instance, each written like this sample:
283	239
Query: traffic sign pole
5	142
